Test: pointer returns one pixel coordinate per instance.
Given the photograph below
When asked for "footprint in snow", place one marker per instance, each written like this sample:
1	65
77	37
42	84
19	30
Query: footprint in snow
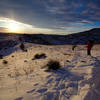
31	91
58	79
62	86
19	98
83	61
49	81
42	90
48	76
36	84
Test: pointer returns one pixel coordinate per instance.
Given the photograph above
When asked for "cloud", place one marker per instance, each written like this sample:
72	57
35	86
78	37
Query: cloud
31	13
51	14
3	29
7	25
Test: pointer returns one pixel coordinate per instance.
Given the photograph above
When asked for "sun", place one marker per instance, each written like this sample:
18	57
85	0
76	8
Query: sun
13	26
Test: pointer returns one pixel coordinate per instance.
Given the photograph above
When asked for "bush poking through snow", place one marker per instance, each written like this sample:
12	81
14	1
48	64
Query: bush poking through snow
12	56
5	62
39	56
54	65
25	60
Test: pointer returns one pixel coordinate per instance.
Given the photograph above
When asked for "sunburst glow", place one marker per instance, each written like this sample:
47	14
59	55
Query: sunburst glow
13	26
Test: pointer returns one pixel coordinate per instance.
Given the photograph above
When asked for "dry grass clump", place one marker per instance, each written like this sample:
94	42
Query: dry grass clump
53	65
15	73
40	56
5	62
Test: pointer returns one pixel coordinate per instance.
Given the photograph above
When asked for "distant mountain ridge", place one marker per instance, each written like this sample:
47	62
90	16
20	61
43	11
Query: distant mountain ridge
76	38
48	39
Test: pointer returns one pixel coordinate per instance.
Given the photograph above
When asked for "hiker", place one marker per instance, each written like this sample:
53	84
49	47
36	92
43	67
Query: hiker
89	47
22	46
73	47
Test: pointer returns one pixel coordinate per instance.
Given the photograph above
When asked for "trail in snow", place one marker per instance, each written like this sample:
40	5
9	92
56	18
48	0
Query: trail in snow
72	82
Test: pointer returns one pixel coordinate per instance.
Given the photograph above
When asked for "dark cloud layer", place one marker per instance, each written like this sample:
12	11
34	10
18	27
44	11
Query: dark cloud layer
52	14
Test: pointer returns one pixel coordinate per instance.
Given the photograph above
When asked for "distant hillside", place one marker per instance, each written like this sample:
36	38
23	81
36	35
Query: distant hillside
48	39
76	38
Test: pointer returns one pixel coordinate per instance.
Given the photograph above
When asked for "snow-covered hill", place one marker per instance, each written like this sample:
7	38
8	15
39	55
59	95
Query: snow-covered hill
22	78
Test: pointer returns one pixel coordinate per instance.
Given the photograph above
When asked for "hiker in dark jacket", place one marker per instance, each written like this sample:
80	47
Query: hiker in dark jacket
22	47
73	47
89	47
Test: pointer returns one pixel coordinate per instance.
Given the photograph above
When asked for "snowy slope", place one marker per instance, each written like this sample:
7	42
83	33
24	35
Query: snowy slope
25	79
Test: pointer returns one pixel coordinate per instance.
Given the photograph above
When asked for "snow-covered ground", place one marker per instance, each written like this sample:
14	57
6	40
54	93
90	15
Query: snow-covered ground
25	79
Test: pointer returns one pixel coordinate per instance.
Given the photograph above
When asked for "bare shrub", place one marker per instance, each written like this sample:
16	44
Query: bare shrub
25	60
12	56
39	56
54	65
5	62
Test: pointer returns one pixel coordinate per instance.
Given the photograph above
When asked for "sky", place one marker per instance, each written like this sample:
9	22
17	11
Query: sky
49	16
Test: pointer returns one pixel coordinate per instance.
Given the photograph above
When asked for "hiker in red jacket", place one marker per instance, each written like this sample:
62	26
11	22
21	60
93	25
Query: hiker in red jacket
89	47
